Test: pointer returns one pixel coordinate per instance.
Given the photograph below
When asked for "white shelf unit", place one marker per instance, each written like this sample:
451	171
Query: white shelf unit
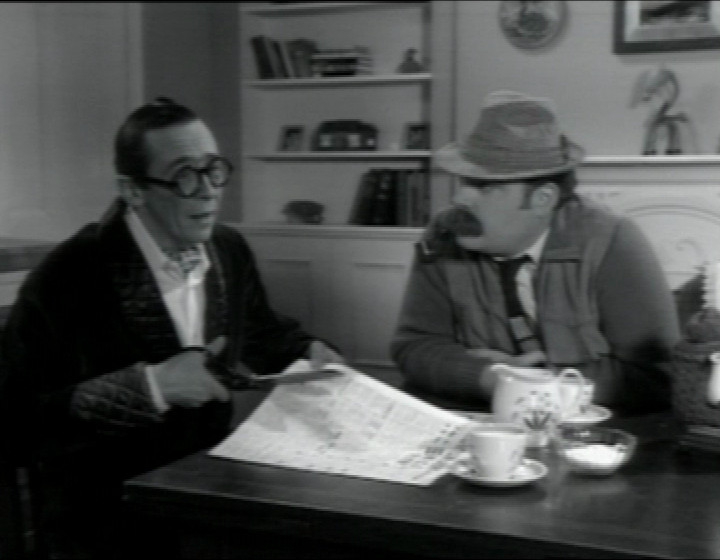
271	9
347	155
372	79
386	99
342	282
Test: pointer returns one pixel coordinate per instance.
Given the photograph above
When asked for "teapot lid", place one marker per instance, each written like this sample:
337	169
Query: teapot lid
530	374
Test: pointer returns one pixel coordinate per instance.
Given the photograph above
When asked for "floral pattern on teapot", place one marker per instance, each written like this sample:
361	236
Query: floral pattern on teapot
531	398
539	411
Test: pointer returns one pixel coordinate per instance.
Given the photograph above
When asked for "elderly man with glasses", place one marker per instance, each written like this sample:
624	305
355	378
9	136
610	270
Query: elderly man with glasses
119	352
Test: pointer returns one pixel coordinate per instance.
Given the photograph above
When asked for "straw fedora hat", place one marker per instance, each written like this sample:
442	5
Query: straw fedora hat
516	137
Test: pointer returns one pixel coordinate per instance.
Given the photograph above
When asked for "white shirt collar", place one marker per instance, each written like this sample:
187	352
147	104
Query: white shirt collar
165	270
536	249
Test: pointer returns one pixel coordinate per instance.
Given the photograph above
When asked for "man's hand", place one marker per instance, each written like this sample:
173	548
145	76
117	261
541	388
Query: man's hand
534	358
184	380
320	354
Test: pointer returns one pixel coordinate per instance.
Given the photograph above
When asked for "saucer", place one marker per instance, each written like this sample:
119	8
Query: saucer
593	415
479	417
528	471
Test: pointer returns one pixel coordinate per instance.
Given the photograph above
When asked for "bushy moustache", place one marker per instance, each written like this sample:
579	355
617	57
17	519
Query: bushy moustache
439	238
458	221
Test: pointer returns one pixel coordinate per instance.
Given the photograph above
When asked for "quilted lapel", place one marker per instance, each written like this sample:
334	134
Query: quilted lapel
216	303
141	303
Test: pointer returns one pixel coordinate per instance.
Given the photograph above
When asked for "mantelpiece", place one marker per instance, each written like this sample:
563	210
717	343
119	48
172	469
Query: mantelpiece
674	199
650	161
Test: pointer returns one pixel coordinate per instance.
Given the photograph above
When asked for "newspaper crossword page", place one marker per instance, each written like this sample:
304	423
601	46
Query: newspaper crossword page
349	424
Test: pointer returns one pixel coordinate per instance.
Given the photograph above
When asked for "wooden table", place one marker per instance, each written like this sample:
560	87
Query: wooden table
663	504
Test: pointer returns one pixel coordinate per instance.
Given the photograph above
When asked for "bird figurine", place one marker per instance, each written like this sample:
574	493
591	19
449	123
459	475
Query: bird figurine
409	65
661	89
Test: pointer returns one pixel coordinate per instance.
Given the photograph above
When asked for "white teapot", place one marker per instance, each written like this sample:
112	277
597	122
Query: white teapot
534	399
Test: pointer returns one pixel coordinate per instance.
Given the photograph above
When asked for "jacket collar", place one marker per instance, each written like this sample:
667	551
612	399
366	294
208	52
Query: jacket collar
141	303
563	242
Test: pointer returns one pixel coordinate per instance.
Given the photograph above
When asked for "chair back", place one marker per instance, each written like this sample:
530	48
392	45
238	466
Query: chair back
21	524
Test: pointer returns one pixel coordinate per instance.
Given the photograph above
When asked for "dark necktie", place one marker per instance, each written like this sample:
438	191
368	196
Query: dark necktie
187	259
520	326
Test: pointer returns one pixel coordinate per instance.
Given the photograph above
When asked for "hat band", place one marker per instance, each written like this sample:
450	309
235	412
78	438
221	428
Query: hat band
498	159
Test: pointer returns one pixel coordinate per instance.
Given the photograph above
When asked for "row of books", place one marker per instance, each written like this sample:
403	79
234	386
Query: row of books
341	62
300	58
282	59
392	197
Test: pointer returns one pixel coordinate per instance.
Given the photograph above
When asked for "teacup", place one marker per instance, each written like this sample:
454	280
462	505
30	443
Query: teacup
495	450
578	403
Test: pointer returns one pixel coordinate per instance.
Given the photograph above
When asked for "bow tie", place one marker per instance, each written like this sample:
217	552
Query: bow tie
187	259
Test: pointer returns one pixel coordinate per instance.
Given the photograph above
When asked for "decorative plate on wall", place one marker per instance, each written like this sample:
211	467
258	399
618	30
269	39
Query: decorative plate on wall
532	24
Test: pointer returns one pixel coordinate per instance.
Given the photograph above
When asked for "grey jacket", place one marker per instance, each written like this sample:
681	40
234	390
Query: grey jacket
603	306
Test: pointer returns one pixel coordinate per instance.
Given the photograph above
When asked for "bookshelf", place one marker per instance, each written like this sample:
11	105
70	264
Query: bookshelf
384	98
354	81
348	155
328	275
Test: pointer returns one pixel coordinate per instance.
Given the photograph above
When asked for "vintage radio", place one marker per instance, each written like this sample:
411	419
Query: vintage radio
345	135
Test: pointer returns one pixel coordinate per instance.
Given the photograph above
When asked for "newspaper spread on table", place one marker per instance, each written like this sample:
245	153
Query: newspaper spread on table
349	424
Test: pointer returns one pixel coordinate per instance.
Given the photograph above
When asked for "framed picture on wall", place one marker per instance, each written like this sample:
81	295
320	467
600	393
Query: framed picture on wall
291	138
417	136
654	26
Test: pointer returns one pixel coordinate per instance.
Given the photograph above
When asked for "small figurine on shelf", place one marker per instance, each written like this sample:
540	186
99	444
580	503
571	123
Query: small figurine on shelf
662	88
409	65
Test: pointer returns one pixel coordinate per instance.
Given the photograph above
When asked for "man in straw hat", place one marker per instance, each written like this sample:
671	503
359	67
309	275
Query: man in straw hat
523	270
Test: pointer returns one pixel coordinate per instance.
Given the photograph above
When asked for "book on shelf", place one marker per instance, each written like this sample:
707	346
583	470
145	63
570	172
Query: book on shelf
424	179
274	56
392	197
358	53
262	53
279	62
402	205
341	62
362	205
282	59
418	198
383	206
414	198
300	51
287	60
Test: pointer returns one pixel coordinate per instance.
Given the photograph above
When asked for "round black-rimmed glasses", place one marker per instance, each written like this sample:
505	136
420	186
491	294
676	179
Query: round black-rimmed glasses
187	181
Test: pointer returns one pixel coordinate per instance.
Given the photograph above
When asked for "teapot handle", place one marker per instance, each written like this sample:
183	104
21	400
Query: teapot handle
713	386
572	372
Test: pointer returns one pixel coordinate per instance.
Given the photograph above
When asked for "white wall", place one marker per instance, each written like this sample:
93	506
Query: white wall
590	85
191	54
70	73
